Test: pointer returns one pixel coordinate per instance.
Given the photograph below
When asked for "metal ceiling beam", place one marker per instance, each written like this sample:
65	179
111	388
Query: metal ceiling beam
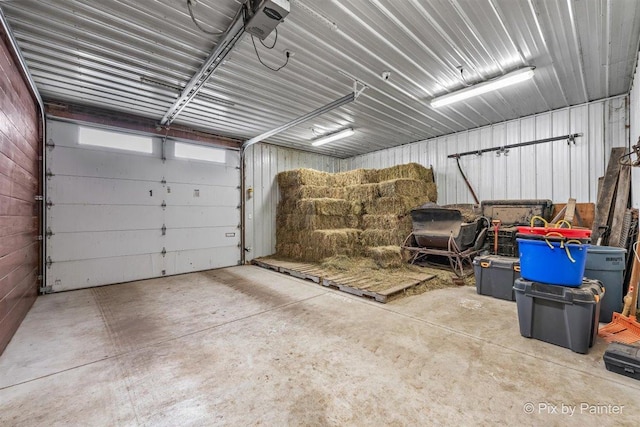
232	36
315	113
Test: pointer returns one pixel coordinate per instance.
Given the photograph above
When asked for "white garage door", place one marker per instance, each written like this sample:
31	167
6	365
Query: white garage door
118	215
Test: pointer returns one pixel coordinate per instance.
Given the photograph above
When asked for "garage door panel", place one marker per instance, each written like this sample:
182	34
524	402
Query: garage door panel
192	172
64	276
202	238
107	214
102	191
186	216
80	161
83	218
202	195
201	259
89	245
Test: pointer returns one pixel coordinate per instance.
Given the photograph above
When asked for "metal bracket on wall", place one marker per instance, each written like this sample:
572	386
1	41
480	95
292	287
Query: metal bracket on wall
164	251
39	198
50	144
49	203
49	262
49	232
164	230
163	205
163	181
45	289
49	174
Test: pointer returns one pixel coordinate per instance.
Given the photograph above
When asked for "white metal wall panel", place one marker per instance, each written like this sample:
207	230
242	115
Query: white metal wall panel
107	213
263	162
552	170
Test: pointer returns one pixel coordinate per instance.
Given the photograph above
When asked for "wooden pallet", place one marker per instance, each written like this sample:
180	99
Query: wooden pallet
357	285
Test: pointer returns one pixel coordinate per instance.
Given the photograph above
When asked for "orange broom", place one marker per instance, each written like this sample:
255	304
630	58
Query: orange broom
624	327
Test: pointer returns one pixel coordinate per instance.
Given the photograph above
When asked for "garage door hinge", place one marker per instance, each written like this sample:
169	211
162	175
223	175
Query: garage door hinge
239	226
49	262
238	167
49	232
164	229
164	204
50	144
239	206
46	289
163	182
50	174
164	252
49	203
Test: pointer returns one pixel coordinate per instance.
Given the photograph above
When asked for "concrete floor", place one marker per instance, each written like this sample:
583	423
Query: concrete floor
246	346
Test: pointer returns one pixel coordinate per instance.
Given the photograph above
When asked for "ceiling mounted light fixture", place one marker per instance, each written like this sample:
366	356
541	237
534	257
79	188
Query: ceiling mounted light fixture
333	137
478	89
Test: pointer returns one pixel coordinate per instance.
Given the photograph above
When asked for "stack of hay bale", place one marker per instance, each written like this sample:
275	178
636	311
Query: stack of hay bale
355	213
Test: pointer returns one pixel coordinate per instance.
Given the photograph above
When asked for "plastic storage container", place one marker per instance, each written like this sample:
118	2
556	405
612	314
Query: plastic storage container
623	359
507	245
549	262
607	264
495	275
559	315
569	233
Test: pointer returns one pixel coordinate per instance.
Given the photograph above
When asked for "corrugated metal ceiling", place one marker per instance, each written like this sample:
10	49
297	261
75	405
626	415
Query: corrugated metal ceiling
106	53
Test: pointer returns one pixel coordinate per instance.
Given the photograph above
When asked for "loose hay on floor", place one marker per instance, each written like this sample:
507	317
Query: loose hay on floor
364	273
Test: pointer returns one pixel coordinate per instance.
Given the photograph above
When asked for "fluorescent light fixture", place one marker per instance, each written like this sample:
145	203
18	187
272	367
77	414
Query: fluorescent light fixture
480	88
117	140
333	137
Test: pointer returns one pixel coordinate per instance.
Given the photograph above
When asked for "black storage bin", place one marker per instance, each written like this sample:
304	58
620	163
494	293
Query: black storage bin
507	244
495	275
623	359
559	315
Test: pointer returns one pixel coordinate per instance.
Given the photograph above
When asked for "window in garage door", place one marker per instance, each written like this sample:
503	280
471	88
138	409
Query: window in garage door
120	213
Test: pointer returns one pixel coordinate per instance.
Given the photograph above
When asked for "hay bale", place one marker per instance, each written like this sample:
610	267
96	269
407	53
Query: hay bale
316	222
289	250
381	221
380	237
395	205
386	256
403	187
326	206
328	243
432	192
312	192
409	171
362	192
344	179
298	177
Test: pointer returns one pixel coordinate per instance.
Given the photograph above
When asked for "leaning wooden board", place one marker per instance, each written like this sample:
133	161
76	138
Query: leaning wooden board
606	195
583	216
620	205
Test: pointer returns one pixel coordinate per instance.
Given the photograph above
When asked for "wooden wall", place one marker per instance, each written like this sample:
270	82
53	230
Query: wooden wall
19	172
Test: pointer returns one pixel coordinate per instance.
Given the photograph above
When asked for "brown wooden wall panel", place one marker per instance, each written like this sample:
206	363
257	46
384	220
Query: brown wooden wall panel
20	146
8	282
